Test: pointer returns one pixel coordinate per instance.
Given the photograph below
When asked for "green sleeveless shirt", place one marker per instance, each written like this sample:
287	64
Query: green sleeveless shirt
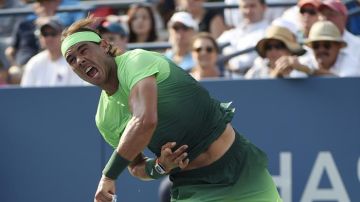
186	112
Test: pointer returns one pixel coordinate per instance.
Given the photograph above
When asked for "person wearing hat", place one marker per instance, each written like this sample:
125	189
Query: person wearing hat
308	14
326	42
115	34
336	12
303	15
278	52
49	68
182	28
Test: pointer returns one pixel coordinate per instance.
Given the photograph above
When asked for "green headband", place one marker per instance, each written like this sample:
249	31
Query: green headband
77	38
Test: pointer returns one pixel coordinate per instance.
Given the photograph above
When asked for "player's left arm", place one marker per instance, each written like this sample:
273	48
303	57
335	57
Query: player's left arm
169	159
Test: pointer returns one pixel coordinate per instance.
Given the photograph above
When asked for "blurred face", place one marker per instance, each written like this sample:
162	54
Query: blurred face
190	5
50	39
116	40
274	49
308	16
204	53
252	10
326	53
141	23
88	61
337	18
181	35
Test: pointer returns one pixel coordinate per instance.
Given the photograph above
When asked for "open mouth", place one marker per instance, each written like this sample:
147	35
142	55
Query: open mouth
91	72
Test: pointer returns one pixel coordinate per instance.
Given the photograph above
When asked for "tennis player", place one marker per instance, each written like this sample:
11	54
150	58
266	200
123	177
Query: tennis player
147	101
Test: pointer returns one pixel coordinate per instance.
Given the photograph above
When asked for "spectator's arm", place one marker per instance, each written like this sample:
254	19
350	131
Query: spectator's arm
10	54
217	26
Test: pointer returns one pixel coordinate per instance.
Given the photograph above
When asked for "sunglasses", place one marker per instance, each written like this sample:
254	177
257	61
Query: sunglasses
51	34
308	11
180	27
316	45
208	49
277	46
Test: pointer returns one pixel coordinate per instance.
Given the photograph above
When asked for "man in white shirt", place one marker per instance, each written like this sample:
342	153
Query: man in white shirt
49	67
336	12
245	36
326	42
233	17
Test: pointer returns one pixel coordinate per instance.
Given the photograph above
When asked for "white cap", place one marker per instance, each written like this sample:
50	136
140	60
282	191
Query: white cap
184	18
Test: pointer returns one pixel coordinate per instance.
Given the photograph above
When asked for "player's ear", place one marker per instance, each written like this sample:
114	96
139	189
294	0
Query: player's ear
105	46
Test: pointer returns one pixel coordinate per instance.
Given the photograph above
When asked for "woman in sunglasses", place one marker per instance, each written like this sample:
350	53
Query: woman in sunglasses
308	15
205	53
278	51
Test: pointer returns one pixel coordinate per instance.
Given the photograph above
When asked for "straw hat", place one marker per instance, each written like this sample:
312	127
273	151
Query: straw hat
324	31
282	34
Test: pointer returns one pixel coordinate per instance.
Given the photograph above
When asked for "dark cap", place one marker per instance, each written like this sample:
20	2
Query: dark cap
50	22
112	27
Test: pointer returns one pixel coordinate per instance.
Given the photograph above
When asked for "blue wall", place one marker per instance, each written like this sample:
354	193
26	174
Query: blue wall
50	149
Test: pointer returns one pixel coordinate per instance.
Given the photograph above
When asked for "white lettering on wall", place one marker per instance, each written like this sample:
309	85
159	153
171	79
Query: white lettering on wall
325	162
284	179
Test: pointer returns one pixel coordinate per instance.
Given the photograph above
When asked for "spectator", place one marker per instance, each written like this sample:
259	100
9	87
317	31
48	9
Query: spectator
308	15
336	12
49	67
142	24
246	35
278	50
208	20
204	52
303	15
233	18
24	43
115	34
182	27
6	29
326	42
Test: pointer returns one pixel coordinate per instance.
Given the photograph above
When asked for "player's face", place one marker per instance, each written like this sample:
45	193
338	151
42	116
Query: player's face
90	62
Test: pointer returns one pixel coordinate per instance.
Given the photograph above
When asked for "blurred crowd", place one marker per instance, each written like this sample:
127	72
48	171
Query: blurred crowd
251	41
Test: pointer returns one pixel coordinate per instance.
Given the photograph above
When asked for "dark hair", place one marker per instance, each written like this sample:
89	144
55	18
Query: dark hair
207	35
131	14
87	24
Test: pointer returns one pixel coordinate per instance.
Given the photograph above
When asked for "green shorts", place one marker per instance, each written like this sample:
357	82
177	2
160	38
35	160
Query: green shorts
240	175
